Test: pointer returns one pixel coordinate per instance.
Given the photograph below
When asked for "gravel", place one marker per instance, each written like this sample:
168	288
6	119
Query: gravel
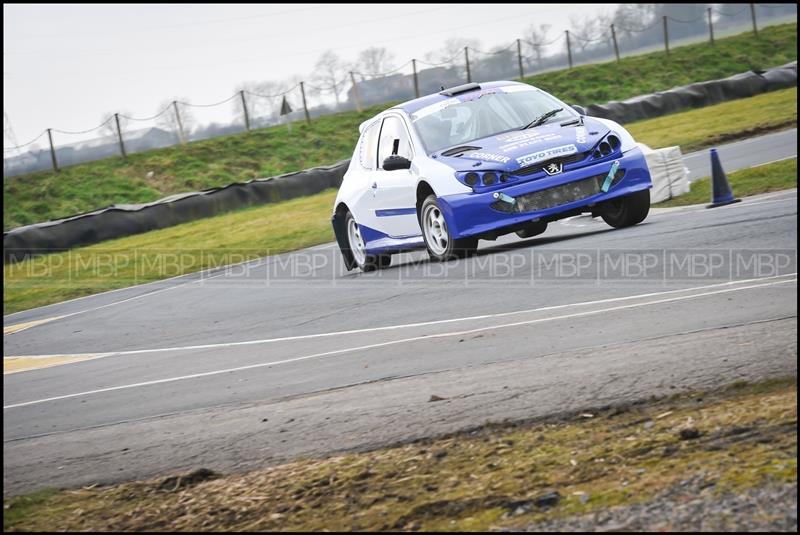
691	507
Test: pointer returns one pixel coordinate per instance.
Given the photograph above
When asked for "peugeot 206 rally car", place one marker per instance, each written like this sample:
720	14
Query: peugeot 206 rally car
478	161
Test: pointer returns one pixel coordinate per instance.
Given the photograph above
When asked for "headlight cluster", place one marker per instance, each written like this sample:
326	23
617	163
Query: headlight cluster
475	179
608	146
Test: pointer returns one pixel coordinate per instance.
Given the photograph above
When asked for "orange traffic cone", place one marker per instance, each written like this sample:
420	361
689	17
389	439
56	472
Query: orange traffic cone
721	193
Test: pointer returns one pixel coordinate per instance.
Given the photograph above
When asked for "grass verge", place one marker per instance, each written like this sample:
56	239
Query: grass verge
735	439
206	243
271	151
705	127
762	179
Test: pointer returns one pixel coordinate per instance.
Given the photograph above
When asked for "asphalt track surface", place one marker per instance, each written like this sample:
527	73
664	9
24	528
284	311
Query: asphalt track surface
290	356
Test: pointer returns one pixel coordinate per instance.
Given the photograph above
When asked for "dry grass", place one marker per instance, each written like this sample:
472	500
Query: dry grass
469	481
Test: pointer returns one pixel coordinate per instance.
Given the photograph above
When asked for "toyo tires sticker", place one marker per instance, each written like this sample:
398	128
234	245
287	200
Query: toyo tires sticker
546	154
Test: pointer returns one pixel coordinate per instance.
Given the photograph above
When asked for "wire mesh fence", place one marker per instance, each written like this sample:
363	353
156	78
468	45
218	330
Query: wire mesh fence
260	105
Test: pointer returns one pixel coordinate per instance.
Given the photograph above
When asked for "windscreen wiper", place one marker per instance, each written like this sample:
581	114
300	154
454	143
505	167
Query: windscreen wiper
542	118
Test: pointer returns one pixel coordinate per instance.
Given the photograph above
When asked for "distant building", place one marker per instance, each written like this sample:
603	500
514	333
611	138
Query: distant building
89	150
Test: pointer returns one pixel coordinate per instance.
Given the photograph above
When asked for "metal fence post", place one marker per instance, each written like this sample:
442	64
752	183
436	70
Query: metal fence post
416	82
305	106
244	107
52	151
119	133
753	15
614	38
355	91
466	58
666	35
569	49
519	59
181	134
710	26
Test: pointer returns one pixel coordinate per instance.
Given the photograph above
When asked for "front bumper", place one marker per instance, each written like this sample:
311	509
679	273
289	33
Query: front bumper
471	214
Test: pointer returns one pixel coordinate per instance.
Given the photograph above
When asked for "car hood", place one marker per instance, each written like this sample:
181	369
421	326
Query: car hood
521	148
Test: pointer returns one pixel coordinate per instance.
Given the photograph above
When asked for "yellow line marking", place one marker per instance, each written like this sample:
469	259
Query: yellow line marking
22	364
11	329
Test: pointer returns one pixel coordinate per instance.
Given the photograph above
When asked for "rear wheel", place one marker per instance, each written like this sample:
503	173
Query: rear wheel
441	245
628	210
358	248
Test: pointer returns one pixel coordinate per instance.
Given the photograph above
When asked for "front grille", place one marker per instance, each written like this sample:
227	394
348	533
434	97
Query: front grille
564	160
558	195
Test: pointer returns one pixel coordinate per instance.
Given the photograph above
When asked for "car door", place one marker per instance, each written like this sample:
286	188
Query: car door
394	192
362	198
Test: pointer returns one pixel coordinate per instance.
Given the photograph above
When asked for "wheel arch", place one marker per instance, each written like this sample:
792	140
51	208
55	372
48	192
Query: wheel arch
424	189
340	231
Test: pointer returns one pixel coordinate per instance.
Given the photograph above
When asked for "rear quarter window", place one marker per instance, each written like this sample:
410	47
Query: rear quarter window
368	146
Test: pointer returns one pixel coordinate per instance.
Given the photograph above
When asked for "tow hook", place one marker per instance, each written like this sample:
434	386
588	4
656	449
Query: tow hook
504	198
610	177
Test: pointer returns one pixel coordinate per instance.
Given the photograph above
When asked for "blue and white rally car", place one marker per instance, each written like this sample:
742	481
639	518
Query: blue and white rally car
478	161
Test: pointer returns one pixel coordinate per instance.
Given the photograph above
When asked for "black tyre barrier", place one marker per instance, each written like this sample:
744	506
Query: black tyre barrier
696	95
126	219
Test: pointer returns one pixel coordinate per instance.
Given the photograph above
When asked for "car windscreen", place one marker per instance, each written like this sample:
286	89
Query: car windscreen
460	120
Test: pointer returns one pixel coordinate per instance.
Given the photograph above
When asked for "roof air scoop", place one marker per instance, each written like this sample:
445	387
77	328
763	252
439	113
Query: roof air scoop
460	89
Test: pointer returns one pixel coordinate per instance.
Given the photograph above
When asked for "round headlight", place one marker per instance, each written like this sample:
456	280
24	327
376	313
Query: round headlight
489	178
605	148
504	178
614	142
471	179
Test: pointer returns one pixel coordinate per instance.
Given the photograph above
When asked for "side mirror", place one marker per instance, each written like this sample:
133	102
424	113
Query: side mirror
393	163
580	109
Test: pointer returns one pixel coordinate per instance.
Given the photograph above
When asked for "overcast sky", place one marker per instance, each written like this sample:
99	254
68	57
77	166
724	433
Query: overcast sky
66	65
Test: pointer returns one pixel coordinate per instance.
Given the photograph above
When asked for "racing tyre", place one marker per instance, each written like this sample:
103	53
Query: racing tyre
365	261
628	210
441	245
533	229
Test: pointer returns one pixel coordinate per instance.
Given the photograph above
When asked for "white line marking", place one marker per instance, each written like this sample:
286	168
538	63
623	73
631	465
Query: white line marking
394	342
408	325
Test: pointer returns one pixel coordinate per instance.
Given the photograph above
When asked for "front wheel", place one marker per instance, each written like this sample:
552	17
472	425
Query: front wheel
441	245
532	229
628	210
358	248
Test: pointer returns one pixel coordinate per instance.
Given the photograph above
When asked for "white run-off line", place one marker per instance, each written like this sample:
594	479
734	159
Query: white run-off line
767	283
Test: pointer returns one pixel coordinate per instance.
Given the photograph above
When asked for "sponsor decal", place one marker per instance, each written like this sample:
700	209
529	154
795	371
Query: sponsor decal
580	134
546	154
517	88
466	97
527	140
521	135
489	157
433	108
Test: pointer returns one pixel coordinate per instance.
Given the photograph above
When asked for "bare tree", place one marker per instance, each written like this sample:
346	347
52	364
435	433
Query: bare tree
329	75
453	50
169	119
109	128
262	98
631	17
537	35
374	61
588	31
